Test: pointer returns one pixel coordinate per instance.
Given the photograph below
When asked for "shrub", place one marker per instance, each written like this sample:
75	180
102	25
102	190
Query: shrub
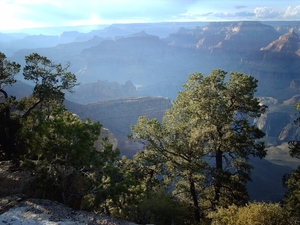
252	214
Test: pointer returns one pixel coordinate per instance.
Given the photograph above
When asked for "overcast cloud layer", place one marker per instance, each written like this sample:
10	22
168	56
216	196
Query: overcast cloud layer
18	14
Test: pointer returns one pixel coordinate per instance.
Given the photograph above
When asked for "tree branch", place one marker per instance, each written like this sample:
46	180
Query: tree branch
27	113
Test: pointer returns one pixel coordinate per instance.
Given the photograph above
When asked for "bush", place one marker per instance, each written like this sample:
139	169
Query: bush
163	209
252	214
61	155
158	208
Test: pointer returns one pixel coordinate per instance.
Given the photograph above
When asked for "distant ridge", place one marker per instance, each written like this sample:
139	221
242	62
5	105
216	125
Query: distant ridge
287	43
141	34
119	114
230	37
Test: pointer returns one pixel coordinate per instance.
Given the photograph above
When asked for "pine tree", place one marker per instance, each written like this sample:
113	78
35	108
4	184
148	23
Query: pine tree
207	139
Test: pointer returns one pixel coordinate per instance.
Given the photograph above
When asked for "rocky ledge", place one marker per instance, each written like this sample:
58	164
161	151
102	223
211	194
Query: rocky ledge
20	206
17	211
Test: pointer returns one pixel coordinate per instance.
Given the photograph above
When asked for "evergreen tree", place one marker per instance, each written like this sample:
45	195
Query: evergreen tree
206	139
292	181
53	144
8	124
61	155
50	81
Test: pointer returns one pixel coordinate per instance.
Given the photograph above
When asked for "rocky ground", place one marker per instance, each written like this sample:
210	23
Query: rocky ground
18	209
15	210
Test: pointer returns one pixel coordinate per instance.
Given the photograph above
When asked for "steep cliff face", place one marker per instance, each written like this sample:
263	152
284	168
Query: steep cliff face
278	122
247	37
102	90
284	27
185	37
294	86
226	36
137	57
276	125
276	66
279	82
119	114
131	45
288	45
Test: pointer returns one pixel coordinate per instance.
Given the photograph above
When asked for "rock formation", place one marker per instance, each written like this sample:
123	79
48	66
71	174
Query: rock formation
287	44
105	133
228	36
102	90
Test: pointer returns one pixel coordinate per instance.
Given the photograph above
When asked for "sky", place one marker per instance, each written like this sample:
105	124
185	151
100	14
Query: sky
20	14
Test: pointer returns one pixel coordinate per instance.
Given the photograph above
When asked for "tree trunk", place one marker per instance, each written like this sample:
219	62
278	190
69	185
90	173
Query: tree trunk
9	129
219	170
195	199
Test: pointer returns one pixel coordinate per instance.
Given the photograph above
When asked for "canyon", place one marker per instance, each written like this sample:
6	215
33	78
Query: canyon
131	70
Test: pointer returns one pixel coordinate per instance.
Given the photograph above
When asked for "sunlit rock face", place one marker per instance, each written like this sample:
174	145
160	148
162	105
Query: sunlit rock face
247	36
288	43
226	36
105	133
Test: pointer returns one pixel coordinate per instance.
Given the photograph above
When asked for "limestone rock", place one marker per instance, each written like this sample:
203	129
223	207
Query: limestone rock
105	133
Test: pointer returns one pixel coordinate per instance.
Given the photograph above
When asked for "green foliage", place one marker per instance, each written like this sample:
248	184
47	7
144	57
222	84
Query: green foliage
292	181
205	140
294	145
53	144
143	198
252	214
50	79
162	209
130	191
60	151
194	161
7	71
292	195
64	162
8	124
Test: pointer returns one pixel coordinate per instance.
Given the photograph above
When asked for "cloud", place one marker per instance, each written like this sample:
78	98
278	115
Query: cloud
47	13
213	16
266	13
270	13
292	12
244	14
237	15
240	7
10	16
39	13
